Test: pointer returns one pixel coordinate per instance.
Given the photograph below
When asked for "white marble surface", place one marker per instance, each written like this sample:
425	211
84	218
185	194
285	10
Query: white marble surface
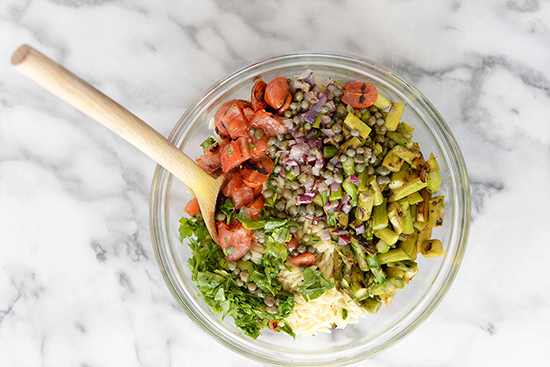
79	285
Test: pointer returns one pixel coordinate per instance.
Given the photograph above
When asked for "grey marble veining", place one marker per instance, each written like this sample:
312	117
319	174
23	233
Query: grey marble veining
79	285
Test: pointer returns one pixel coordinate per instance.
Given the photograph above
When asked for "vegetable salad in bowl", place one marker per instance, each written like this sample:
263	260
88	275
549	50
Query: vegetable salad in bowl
327	203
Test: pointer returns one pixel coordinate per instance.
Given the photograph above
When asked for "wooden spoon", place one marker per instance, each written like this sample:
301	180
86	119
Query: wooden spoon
101	108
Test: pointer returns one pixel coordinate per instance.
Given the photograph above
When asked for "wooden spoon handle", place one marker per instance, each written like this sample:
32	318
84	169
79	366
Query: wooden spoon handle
98	106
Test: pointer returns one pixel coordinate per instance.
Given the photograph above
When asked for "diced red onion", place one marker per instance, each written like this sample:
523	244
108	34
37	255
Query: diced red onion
310	96
315	143
332	87
322	187
316	171
315	221
328	132
298	84
282	175
296	170
354	180
346	208
360	229
310	194
343	240
298	150
309	79
334	160
289	124
314	110
340	232
339	206
335	186
309	217
338	165
324	235
303	199
331	105
306	73
325	119
329	181
329	94
315	89
329	207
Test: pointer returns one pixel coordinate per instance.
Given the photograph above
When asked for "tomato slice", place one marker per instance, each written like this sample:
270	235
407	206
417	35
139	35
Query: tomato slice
235	153
224	233
277	94
273	324
248	113
235	121
253	210
268	122
256	172
241	196
237	236
210	160
257	97
221	129
359	94
292	244
302	259
233	181
259	147
257	191
192	208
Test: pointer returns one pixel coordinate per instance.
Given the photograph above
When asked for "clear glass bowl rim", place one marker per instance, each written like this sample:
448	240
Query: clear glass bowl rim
162	178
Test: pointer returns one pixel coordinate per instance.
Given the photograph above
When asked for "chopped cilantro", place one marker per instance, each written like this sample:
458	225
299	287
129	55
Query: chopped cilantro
344	313
315	284
228	208
229	149
217	284
208	142
251	146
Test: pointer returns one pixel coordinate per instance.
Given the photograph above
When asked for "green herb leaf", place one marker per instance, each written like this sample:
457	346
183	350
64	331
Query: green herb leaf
208	142
228	209
344	313
315	284
218	288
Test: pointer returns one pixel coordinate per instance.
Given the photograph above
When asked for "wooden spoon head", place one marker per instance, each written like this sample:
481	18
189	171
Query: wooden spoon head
207	195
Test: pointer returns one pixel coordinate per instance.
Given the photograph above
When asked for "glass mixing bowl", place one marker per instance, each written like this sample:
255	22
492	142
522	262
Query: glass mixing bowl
410	307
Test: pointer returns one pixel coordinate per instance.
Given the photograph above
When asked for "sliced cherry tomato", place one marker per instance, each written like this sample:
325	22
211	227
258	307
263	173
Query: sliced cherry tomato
259	147
233	181
222	130
302	259
257	97
239	193
242	196
235	153
277	94
210	160
224	233
235	121
237	236
192	208
256	172
273	324
257	191
253	210
248	113
292	244
359	94
268	123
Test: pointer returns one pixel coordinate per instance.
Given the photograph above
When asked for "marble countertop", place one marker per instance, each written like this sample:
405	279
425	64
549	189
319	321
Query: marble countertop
79	284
